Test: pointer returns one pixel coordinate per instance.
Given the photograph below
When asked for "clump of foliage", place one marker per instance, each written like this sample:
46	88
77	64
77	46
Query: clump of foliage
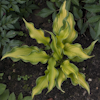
92	19
10	12
22	7
61	44
25	78
27	8
86	13
6	41
87	16
5	94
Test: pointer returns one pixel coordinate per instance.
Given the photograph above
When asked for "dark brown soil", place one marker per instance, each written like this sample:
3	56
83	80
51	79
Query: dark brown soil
90	67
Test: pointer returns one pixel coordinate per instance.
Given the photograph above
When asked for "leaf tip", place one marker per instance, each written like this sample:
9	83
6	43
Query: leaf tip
32	94
3	57
24	20
92	56
88	90
62	91
95	41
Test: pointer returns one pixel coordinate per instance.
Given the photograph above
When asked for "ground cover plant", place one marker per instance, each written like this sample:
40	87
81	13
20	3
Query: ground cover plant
64	52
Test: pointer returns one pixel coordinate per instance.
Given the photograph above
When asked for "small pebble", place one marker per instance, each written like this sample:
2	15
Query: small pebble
83	68
14	70
55	96
41	68
90	79
96	88
84	93
9	77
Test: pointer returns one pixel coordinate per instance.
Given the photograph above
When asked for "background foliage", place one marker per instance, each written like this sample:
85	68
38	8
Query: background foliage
11	12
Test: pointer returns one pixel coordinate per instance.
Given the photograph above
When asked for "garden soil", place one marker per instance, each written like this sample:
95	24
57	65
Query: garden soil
90	67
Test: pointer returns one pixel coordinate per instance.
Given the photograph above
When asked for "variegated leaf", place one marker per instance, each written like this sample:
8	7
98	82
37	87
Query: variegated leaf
63	25
81	81
55	48
41	83
52	74
37	34
27	54
65	30
87	51
60	79
73	34
59	42
18	51
69	68
35	57
75	50
71	37
58	22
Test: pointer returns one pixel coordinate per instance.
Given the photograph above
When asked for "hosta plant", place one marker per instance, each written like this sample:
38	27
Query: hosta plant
64	51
